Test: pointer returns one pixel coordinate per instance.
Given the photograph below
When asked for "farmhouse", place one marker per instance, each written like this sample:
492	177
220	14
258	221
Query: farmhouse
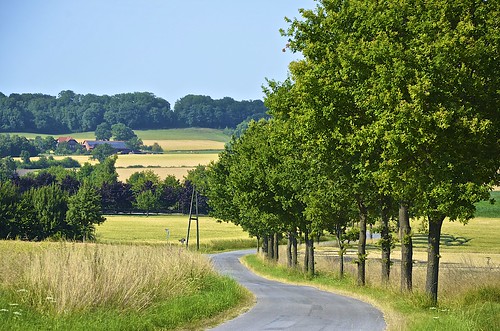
119	146
72	143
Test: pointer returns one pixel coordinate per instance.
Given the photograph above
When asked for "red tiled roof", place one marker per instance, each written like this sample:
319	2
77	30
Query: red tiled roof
64	139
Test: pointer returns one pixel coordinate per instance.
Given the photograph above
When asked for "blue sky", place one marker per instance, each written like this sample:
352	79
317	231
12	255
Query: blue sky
168	47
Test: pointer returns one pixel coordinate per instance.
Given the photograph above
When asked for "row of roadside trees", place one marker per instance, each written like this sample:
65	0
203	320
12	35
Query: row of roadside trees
392	113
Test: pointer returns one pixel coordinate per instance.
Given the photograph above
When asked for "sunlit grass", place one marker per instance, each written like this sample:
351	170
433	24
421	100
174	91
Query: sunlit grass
167	134
152	230
65	286
165	160
179	173
186	145
184	134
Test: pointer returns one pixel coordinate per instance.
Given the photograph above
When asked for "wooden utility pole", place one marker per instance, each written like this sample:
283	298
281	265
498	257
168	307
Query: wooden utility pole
194	201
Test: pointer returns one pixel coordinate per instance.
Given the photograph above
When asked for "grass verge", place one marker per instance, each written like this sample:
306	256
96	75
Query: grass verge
62	286
475	307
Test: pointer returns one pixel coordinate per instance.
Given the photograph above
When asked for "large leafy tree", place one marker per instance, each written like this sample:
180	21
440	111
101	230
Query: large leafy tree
9	198
46	211
406	96
122	132
84	211
103	131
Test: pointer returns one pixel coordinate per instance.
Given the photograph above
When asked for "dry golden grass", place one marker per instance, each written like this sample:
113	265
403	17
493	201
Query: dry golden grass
179	173
80	158
177	164
186	145
64	277
165	160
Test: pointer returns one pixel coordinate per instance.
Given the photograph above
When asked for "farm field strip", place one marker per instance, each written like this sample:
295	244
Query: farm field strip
179	173
186	145
177	164
150	135
142	229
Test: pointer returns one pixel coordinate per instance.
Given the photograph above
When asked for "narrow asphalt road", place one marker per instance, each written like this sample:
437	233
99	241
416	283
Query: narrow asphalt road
289	307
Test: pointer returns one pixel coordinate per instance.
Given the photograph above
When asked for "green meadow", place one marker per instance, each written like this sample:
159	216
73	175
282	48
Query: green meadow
152	230
156	135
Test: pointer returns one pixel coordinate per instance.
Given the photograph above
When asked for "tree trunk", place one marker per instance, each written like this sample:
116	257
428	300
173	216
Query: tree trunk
276	246
386	244
289	261
265	245
363	215
270	246
431	284
310	252
294	250
291	250
406	248
258	244
306	255
338	235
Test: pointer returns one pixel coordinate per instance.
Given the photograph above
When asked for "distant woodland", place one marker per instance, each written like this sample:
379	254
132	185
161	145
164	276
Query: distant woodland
71	112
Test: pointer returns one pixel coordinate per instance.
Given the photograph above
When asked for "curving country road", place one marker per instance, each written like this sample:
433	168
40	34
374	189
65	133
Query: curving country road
289	307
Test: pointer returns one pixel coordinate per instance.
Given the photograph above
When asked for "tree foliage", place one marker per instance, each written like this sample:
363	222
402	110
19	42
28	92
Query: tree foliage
391	103
72	112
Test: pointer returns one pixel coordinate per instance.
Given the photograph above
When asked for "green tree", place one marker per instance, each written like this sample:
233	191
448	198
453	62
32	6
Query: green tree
84	211
7	168
156	148
135	143
147	201
9	199
48	206
122	132
102	152
143	180
103	131
104	172
409	93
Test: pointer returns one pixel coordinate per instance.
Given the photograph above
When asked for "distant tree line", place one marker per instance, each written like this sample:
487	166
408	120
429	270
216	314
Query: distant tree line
61	203
72	112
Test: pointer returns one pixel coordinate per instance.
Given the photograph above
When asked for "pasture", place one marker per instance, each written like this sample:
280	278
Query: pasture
139	229
148	135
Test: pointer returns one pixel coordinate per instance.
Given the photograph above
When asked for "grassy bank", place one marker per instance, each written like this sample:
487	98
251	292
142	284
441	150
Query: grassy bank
473	306
62	286
469	288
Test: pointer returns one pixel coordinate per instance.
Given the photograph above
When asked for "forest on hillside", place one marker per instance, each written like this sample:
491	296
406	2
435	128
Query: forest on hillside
72	112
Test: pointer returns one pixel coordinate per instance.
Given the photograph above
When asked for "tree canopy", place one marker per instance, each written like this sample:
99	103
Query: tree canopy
392	102
72	112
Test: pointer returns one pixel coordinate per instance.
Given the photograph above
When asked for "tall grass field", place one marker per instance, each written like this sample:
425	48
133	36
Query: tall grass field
64	286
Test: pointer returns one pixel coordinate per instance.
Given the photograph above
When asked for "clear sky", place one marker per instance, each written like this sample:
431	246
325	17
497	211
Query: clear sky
171	48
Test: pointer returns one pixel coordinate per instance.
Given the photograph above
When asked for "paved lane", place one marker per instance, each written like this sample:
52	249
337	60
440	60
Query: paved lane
290	307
